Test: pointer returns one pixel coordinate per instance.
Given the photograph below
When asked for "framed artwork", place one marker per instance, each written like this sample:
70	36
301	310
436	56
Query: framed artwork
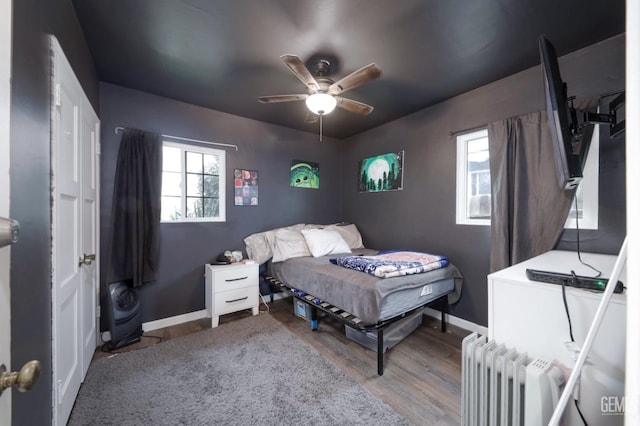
304	174
245	186
381	173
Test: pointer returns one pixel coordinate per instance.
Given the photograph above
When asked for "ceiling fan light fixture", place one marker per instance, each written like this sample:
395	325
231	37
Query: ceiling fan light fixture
321	103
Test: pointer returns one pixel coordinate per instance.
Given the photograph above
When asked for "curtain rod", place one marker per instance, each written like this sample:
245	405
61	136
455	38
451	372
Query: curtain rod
121	129
469	130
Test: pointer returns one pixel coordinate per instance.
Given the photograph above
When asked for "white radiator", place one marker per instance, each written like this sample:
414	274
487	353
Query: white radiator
502	387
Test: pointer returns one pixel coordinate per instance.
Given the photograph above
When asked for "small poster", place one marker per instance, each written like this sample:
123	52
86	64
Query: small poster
304	174
245	185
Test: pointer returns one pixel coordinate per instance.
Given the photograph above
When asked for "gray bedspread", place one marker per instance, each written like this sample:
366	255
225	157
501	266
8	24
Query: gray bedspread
356	292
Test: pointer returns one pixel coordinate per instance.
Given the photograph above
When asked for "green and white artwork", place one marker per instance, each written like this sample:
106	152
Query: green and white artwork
304	174
381	173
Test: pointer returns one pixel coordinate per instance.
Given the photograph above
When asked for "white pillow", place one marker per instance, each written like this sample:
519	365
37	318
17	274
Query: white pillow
287	244
322	242
350	234
260	245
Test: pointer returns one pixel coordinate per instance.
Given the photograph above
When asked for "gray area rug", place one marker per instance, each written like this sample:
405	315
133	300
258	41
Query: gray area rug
249	371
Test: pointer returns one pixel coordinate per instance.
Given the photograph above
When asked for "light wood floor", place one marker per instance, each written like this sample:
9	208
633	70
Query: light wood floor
421	379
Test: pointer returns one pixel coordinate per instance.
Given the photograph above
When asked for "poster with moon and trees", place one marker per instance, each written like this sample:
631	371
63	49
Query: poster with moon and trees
381	172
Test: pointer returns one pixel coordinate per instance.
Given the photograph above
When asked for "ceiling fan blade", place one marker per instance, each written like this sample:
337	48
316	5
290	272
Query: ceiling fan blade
300	70
311	117
281	98
355	79
353	106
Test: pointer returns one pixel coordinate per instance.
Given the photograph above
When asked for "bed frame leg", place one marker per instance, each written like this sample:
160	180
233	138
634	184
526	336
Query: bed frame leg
314	318
380	351
445	310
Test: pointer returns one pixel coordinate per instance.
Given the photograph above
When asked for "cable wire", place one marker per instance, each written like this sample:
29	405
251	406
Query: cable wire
566	307
580	412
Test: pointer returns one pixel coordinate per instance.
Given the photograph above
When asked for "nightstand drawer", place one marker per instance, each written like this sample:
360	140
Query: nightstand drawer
234	278
235	300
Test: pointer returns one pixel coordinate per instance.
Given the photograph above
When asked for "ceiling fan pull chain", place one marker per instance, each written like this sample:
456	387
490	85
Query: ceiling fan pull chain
320	127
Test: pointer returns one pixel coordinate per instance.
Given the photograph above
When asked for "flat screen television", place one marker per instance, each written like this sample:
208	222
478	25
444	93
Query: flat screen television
572	130
570	139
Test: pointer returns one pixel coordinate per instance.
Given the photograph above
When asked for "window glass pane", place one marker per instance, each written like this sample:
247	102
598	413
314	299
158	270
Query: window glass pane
484	184
472	189
194	185
172	183
580	197
211	164
171	159
479	189
211	185
194	162
211	207
478	145
171	208
194	207
473	180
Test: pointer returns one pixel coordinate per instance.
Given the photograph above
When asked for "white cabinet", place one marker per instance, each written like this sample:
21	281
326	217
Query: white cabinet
530	317
231	288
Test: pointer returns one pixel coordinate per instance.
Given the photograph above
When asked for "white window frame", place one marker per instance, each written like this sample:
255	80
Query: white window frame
222	181
462	140
589	188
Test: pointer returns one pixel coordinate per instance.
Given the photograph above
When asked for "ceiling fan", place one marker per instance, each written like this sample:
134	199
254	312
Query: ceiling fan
324	93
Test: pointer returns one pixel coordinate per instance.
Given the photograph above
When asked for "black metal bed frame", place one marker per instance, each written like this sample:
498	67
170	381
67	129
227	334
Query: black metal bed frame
354	322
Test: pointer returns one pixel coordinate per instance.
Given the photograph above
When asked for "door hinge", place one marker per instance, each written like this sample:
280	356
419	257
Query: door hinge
56	95
98	311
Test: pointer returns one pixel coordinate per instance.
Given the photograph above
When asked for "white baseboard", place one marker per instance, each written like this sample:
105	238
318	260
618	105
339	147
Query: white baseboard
178	319
458	322
192	316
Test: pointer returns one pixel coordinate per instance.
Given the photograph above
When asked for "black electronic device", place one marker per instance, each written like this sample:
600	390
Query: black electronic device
125	315
221	260
570	280
571	130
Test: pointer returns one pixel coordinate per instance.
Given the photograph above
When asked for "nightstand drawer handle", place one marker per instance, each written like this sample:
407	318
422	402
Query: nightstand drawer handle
236	279
237	300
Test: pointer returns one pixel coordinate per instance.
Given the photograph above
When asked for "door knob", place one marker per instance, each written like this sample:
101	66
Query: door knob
86	259
25	378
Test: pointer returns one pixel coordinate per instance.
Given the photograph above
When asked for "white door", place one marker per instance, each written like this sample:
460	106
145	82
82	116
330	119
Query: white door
89	135
5	105
74	232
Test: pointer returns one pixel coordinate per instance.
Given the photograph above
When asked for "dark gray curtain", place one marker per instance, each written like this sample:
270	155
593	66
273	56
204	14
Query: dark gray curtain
135	212
529	208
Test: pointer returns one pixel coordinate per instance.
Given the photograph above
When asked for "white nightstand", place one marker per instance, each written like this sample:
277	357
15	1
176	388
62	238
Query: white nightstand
230	288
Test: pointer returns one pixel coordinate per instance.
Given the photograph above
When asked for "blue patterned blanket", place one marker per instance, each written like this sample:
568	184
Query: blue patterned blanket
388	264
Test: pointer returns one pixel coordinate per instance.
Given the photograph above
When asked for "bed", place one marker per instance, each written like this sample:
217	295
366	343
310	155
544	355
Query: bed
365	302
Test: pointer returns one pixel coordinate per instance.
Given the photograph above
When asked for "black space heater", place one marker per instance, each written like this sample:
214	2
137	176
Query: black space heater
125	315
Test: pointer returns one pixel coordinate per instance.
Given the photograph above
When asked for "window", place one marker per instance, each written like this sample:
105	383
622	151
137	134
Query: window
587	192
473	203
192	183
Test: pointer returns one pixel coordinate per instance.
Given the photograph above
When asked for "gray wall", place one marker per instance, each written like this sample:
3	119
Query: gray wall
186	247
30	186
422	215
